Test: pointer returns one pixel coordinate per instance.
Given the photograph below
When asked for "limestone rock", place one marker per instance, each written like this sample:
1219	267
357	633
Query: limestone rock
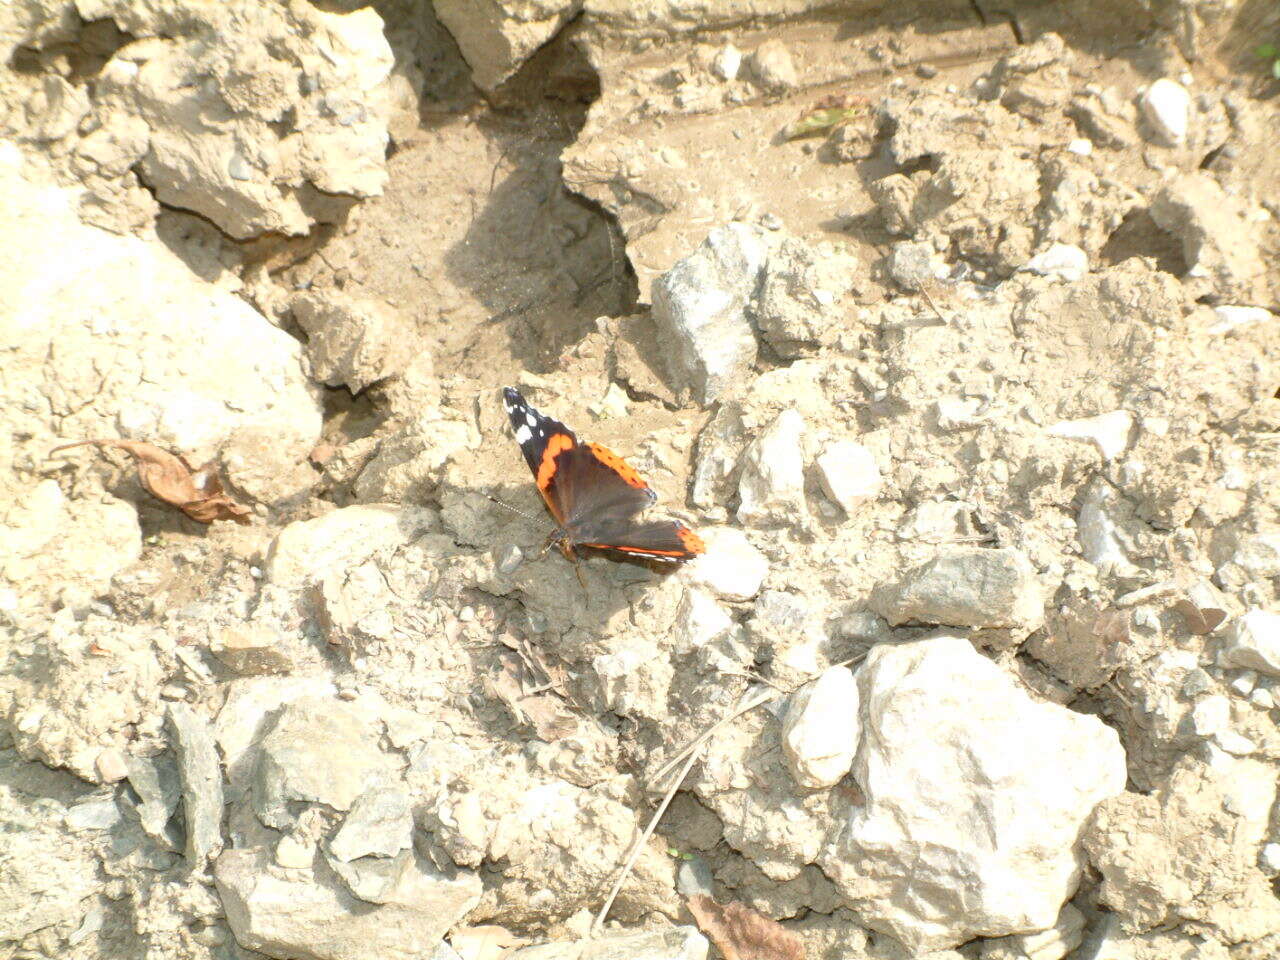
1166	105
184	385
1219	244
970	820
1253	641
1188	852
351	342
701	309
200	774
820	730
732	568
317	751
771	66
497	36
677	943
379	824
849	474
294	915
299	96
771	487
967	587
799	306
308	550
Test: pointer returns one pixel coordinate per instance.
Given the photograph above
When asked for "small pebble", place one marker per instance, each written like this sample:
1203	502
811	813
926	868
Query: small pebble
173	691
1234	743
1269	858
111	765
509	558
1080	147
1262	698
1244	683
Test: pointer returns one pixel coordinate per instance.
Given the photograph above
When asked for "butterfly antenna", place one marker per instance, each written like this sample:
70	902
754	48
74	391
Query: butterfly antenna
539	521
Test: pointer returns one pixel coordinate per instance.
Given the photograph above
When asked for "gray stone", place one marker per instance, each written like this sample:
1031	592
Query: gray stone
913	262
701	309
380	824
300	916
100	813
694	876
200	775
821	729
318	751
771	485
798	309
967	587
155	781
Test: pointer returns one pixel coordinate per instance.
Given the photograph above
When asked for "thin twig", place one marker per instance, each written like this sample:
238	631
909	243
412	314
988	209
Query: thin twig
641	842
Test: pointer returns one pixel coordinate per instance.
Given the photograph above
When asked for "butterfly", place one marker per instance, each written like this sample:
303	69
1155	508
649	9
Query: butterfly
594	496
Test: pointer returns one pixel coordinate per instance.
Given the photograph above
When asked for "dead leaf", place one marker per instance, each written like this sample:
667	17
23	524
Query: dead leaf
828	114
542	711
169	478
1200	620
742	934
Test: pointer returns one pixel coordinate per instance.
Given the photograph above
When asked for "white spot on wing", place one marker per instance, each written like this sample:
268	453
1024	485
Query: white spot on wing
523	436
530	419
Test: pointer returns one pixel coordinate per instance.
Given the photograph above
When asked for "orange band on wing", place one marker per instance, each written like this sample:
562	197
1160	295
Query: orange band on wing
618	465
556	445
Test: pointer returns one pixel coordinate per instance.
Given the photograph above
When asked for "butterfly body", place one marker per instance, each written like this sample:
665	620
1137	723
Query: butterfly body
594	495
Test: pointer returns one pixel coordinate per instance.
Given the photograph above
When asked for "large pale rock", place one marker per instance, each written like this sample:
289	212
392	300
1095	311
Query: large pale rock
1253	641
820	729
799	307
970	819
308	550
116	337
701	309
45	873
263	130
318	751
771	487
294	915
1219	244
1189	850
968	587
849	474
352	342
497	36
679	943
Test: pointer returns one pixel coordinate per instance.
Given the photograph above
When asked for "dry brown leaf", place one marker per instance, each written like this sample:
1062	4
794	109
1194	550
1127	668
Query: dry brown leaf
1200	620
542	711
169	478
742	934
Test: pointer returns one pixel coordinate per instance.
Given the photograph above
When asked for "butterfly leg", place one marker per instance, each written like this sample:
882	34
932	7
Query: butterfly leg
567	548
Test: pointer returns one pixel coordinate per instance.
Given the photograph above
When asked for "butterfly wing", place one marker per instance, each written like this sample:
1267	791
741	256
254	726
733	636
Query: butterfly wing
545	443
656	539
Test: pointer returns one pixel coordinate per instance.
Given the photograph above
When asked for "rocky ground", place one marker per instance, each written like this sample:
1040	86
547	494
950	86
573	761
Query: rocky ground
953	332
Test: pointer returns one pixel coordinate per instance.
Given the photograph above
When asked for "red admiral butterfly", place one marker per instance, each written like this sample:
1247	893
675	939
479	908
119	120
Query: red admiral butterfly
592	493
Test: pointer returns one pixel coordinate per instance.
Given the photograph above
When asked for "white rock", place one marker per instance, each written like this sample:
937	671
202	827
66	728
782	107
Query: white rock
820	729
700	308
497	38
353	342
1262	698
699	621
1080	147
771	487
1269	858
292	914
672	943
732	568
1253	641
970	818
191	363
1097	529
1064	261
727	62
1243	684
1234	743
1235	318
1166	105
307	550
1052	944
849	474
1109	432
1210	715
772	66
